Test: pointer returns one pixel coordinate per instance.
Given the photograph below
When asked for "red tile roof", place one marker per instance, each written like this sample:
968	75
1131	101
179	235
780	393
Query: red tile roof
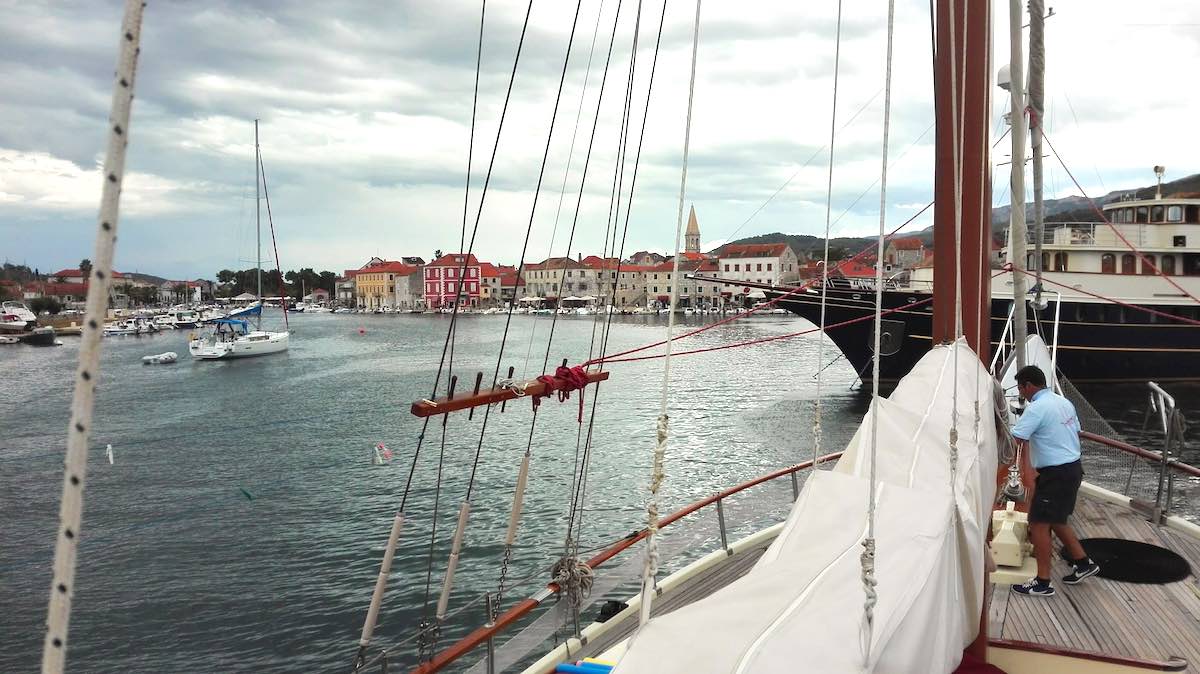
689	255
389	267
853	270
738	250
908	243
454	260
487	269
509	279
76	273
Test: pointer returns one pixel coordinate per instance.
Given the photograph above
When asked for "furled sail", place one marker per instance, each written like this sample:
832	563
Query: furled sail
802	606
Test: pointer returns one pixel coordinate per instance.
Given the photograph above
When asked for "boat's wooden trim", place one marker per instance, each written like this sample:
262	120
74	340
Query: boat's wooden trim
1138	451
522	608
532	388
1059	660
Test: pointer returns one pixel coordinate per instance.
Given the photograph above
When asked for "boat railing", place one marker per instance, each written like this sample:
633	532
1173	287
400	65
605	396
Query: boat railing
1150	478
1097	234
497	623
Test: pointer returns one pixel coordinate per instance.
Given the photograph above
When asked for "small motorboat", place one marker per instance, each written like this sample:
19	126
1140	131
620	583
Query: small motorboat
9	339
160	359
43	336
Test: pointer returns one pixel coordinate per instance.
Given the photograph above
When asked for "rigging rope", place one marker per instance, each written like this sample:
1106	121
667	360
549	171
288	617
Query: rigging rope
837	53
62	588
867	560
1145	261
274	247
660	448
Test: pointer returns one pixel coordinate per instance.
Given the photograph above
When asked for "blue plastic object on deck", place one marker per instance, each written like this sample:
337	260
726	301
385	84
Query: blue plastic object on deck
582	668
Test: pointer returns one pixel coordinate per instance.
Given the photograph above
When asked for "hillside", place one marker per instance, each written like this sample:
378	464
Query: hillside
1067	209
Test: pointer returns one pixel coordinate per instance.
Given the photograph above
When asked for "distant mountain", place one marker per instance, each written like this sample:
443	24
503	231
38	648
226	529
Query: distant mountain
1067	209
145	278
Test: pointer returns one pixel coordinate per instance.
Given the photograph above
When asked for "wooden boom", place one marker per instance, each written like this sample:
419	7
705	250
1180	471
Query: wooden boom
531	388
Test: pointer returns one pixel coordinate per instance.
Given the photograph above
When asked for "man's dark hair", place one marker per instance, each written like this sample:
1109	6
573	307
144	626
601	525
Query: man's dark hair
1031	374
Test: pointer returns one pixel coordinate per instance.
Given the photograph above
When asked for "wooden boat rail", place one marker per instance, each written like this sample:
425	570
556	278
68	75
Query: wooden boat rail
486	633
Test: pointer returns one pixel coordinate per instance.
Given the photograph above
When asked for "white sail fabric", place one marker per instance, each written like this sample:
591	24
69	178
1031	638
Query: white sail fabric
801	607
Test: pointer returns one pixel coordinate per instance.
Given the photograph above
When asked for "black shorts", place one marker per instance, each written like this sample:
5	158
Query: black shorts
1054	493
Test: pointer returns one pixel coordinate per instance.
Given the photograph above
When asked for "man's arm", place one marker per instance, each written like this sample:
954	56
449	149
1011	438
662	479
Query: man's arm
1028	423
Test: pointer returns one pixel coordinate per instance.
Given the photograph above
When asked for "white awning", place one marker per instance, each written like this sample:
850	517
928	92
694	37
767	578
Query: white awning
588	298
245	297
531	299
572	298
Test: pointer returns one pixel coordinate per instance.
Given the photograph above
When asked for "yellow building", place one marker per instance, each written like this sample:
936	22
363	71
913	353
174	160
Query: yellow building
375	285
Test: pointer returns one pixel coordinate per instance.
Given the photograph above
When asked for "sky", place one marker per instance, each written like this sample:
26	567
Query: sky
365	116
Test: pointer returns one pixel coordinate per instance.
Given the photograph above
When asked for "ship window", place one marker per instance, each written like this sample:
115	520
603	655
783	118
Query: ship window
1128	264
1179	242
1093	313
1174	213
1060	261
1156	214
1148	265
1108	263
1114	314
1142	213
1045	260
1193	214
1168	265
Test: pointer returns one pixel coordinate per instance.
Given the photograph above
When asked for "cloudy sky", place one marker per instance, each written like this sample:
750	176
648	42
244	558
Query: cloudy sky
365	113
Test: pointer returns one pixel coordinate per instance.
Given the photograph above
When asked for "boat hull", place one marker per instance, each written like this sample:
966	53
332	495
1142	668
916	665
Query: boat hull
247	346
1096	342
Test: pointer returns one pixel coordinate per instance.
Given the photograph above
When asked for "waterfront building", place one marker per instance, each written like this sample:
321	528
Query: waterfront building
904	253
375	284
76	276
644	258
509	280
344	288
489	284
771	263
450	278
410	290
175	292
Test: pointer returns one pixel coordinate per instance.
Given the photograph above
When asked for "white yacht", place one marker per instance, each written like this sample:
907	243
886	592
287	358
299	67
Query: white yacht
16	317
233	338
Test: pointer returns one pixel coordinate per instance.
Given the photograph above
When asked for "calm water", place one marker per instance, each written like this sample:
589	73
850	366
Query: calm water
241	525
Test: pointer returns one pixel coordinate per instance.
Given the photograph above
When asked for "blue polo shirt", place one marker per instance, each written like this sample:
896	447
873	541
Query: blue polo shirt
1051	426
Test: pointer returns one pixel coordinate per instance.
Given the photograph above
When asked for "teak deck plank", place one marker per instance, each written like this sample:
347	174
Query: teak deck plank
1131	619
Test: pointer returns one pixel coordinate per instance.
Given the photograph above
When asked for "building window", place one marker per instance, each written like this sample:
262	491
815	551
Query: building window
727	267
738	267
1148	264
759	267
1168	265
1108	263
768	266
1128	264
655	288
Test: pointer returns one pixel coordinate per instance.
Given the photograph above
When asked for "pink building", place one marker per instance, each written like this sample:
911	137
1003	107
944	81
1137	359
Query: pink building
451	276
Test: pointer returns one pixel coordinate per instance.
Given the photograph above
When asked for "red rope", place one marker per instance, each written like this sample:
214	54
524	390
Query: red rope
795	289
764	340
1104	218
563	381
1181	319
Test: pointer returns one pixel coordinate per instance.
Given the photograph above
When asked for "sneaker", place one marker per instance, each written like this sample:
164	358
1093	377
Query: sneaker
1035	587
1081	572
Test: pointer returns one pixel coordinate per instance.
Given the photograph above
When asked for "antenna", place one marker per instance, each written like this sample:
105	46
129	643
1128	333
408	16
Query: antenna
1159	171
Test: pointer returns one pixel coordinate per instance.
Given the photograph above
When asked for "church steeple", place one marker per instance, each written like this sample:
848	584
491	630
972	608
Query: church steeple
692	237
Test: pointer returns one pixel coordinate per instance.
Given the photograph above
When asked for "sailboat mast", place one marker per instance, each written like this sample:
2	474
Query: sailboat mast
1037	94
1017	229
258	223
962	174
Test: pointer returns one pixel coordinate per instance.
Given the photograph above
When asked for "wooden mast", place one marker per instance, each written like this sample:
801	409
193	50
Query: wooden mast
962	96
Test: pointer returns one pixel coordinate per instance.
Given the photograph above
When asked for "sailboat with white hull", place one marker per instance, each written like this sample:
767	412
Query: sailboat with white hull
232	337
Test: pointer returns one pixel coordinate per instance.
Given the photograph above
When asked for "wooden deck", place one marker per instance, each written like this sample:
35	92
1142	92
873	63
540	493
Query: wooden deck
1152	622
1128	619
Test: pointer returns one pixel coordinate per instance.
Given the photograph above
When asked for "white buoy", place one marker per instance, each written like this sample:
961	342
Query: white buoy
108	453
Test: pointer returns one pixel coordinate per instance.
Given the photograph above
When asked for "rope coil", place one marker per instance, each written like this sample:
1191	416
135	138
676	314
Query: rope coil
574	579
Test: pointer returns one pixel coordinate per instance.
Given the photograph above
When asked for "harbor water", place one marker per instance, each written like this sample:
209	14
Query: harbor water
240	524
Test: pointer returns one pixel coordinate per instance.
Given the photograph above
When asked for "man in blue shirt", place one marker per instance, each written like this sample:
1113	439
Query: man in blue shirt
1049	432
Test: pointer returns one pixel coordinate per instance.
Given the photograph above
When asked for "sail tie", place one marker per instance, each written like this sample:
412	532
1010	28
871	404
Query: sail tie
562	382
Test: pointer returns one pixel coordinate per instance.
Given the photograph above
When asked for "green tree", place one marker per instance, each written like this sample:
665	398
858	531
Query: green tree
179	292
85	266
39	304
226	275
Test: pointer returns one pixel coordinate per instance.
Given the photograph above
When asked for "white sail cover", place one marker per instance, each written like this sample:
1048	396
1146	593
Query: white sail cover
801	609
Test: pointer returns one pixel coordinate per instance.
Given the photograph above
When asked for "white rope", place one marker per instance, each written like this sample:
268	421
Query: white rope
657	474
837	53
867	560
62	586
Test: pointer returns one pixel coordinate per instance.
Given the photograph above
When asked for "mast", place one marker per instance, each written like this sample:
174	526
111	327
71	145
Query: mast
258	223
1017	230
1037	90
962	76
